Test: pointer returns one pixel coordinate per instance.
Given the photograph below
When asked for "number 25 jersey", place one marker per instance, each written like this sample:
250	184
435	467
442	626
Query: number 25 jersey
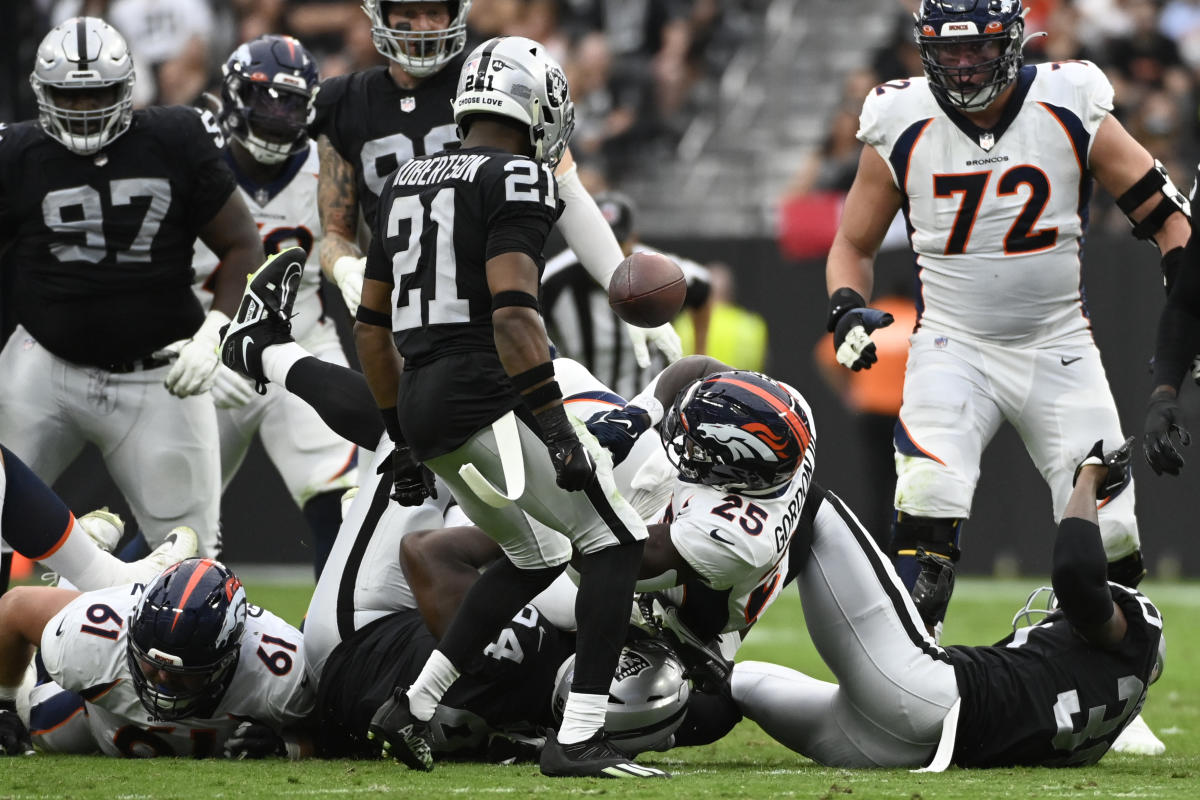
996	217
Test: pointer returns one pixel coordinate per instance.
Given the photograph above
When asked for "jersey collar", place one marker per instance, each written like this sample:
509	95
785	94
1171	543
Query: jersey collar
982	136
265	192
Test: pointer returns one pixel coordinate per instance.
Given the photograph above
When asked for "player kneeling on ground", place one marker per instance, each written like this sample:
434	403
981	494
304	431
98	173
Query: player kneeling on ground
184	666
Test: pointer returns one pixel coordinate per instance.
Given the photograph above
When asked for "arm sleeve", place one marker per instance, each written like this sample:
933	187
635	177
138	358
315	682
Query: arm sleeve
586	231
1179	324
1080	574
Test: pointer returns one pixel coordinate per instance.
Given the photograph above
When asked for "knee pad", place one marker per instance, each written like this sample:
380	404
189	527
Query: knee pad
1127	571
925	551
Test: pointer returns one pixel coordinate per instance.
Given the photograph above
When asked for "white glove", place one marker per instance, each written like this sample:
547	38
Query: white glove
231	390
663	337
197	357
348	275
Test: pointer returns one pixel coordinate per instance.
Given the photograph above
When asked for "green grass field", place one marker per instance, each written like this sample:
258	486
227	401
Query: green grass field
744	764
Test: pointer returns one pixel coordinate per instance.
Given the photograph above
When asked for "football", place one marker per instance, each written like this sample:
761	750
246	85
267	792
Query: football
647	290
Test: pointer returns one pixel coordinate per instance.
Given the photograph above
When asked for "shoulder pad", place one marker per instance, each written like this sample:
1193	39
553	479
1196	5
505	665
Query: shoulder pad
1080	85
891	107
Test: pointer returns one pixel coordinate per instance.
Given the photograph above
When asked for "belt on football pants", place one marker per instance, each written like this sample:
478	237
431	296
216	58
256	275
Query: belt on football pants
149	362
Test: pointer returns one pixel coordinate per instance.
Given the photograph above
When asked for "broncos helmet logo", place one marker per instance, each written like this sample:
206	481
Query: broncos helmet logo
740	441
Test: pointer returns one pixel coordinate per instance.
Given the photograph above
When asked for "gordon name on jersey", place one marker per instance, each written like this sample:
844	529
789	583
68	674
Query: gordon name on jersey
85	646
998	212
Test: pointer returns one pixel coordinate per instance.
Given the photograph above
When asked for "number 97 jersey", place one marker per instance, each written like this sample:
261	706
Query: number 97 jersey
84	649
996	214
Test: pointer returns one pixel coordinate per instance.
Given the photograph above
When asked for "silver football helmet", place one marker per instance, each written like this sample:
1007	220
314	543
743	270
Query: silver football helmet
515	77
419	53
84	55
646	701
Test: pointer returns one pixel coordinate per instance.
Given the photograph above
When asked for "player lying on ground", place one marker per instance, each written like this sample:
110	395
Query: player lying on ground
1055	693
183	666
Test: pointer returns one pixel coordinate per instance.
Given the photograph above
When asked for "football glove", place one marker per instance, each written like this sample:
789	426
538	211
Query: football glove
348	275
1117	462
663	337
196	358
412	481
14	736
574	468
852	337
231	390
1163	430
254	740
618	429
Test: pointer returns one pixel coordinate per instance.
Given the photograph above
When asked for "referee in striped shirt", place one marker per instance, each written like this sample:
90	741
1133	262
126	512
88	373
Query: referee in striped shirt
583	327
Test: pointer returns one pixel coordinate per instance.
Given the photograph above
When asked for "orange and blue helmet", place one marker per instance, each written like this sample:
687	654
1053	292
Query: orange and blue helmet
970	49
738	431
185	638
268	87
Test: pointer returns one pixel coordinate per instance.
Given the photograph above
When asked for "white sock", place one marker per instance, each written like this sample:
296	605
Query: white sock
77	558
427	690
583	716
278	360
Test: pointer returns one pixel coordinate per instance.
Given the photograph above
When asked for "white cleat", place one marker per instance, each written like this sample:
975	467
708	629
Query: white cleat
180	543
103	527
1137	739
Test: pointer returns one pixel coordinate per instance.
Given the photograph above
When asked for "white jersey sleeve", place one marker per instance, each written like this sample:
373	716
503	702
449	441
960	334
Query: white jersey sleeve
1081	87
889	111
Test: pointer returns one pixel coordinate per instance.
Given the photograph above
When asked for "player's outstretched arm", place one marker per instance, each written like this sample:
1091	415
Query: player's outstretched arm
441	565
337	204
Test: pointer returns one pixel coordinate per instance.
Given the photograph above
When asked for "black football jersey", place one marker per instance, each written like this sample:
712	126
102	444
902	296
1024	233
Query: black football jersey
1046	697
102	244
441	218
376	125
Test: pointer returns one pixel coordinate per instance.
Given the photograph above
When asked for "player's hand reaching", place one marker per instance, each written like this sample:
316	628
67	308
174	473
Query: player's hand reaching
412	481
14	736
663	337
196	358
851	322
231	390
254	740
1164	433
1115	461
348	275
574	468
618	429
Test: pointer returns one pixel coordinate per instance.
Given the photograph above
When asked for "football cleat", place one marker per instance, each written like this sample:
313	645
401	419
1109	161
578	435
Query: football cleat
1137	739
181	543
596	757
263	317
103	527
401	735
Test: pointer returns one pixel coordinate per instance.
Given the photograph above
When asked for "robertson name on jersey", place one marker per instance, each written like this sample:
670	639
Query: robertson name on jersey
996	217
102	244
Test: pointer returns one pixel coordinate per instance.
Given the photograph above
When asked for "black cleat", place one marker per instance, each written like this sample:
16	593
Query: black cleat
263	317
596	757
402	736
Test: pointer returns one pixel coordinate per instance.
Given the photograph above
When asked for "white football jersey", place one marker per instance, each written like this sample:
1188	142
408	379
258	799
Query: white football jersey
84	649
286	214
996	217
738	542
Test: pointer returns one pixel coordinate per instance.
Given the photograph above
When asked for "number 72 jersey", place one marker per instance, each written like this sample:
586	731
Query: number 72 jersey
84	649
995	217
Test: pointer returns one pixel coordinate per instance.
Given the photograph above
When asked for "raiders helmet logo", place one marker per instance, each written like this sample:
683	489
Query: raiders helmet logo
631	664
556	87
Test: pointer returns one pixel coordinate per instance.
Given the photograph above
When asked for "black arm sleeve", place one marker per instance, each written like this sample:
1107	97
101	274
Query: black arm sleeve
1179	325
1080	574
341	398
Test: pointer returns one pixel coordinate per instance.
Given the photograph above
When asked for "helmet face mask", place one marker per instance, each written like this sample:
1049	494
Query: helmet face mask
267	93
738	432
185	639
420	53
83	81
970	49
514	77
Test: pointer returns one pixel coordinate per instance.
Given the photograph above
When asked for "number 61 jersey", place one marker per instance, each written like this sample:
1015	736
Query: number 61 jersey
84	649
996	214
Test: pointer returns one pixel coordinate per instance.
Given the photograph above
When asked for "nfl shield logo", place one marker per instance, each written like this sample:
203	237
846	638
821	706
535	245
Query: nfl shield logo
407	104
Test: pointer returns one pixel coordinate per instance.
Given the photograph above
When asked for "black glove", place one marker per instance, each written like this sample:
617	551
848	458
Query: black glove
412	481
1162	423
254	740
618	429
574	469
1117	462
851	337
14	736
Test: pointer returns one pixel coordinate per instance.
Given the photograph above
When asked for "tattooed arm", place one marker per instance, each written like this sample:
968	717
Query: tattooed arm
337	201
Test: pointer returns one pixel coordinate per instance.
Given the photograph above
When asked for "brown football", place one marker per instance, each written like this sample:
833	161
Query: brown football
647	290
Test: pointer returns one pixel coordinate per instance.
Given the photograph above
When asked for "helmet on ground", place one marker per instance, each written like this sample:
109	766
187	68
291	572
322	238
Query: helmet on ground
971	49
267	92
419	53
646	701
514	77
83	58
185	638
738	431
